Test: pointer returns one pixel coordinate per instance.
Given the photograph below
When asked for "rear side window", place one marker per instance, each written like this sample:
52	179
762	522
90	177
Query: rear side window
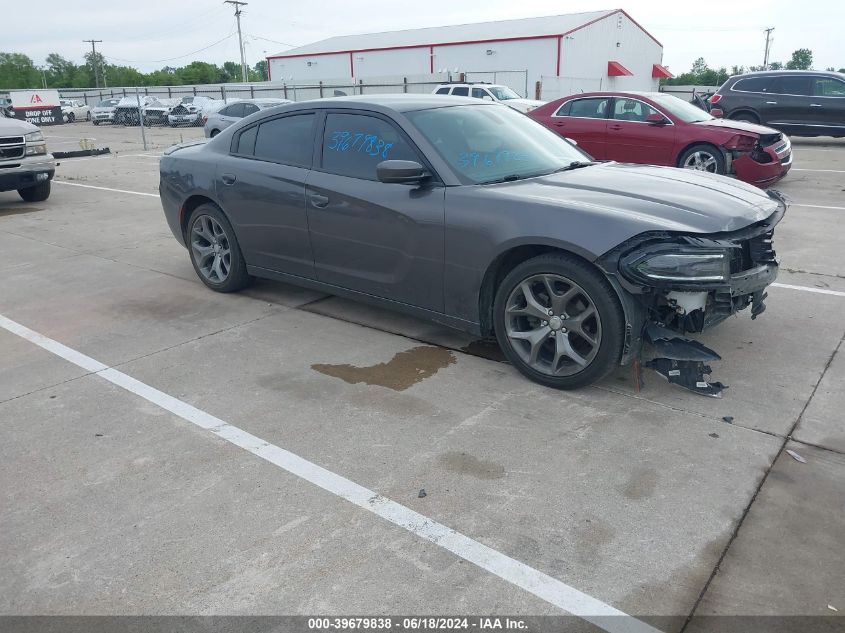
249	108
288	140
791	86
246	141
595	108
753	84
479	93
564	109
461	91
631	110
828	87
353	144
442	91
234	110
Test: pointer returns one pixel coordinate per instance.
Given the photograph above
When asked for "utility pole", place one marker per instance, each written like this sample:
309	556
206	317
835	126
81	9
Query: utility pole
768	44
238	12
94	59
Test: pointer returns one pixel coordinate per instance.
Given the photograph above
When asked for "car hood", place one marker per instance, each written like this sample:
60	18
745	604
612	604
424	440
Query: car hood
15	127
649	198
522	104
739	126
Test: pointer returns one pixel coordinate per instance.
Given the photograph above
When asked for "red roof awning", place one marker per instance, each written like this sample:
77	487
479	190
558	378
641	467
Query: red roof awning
615	69
660	72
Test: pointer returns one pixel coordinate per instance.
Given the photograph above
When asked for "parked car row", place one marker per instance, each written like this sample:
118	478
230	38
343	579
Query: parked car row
468	213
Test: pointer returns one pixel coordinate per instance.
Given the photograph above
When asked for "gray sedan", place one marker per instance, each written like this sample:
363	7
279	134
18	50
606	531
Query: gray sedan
219	120
472	215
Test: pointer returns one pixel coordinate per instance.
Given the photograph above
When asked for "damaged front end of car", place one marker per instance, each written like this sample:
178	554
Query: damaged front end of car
675	284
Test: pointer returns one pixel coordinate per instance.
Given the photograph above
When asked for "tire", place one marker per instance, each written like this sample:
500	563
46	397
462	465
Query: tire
38	193
71	117
95	122
745	116
210	238
214	133
703	157
525	332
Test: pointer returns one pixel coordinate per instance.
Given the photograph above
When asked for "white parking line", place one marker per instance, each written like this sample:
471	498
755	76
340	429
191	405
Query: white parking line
821	291
815	206
134	193
825	171
519	574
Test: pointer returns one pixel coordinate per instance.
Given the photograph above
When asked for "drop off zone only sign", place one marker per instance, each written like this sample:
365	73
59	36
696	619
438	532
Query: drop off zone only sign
40	107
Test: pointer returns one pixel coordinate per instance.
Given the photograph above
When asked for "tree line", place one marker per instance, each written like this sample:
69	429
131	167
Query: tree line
19	71
702	75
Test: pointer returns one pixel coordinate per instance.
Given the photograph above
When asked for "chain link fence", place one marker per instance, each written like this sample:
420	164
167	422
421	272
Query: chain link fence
516	80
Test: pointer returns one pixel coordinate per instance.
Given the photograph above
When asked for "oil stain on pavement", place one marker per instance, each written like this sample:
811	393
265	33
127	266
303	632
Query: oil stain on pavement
399	373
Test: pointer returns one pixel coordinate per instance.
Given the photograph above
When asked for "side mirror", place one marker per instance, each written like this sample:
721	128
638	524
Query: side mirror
656	119
487	98
403	172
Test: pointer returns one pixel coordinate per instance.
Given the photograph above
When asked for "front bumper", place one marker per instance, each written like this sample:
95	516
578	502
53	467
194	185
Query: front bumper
766	165
102	117
191	118
27	173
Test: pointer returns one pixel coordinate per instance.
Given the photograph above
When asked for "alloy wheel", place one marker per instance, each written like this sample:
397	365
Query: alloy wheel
702	161
553	325
211	249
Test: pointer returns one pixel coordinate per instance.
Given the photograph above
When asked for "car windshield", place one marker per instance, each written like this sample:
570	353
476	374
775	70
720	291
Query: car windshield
187	99
686	112
502	93
485	144
107	103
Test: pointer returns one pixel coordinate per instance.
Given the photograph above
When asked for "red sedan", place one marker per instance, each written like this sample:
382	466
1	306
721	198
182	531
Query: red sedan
659	129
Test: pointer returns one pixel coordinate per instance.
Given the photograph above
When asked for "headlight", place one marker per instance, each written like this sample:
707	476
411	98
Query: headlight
679	265
34	137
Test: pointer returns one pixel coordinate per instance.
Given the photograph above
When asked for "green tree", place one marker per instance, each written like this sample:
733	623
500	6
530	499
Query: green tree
259	71
18	71
62	72
802	59
776	66
199	73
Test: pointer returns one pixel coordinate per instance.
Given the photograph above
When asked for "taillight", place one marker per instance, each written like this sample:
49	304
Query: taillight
717	113
204	119
741	143
715	98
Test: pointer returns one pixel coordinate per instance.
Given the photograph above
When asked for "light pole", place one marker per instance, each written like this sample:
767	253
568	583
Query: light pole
238	12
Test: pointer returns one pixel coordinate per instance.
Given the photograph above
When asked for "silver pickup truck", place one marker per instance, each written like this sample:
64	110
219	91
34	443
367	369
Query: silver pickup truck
25	164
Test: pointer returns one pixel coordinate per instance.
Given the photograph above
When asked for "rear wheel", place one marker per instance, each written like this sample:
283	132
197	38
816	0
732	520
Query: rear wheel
95	122
703	157
215	252
559	322
214	133
38	193
745	116
71	117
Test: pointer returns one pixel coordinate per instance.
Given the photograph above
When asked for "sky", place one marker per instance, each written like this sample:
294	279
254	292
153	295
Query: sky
149	34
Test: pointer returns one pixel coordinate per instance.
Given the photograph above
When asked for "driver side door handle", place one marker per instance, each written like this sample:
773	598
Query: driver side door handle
318	201
228	179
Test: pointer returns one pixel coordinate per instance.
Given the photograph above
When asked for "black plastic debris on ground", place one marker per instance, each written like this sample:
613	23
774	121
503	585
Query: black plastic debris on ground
681	361
82	152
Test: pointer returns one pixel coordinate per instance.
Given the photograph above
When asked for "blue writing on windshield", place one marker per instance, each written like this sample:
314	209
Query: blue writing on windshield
486	159
361	142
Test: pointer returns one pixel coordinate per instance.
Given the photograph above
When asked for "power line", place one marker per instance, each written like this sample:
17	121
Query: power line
238	4
267	39
94	59
170	59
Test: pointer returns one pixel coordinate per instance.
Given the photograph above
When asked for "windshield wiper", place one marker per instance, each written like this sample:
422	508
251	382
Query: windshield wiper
576	164
508	178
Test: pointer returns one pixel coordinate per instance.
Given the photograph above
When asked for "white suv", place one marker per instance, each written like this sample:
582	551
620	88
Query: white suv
490	92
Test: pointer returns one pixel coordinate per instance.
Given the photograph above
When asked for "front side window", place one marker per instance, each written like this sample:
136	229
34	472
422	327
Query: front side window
631	110
249	108
442	91
828	87
791	86
288	140
753	84
595	108
234	110
484	143
353	144
503	93
479	93
461	91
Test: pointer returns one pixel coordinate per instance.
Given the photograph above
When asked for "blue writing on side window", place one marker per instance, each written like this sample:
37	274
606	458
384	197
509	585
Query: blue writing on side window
477	159
361	142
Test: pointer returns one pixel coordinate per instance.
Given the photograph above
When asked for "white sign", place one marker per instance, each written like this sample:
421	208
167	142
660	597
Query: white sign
39	107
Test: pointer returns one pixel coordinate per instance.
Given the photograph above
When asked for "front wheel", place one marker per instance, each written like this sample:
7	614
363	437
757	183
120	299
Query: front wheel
703	157
215	252
745	116
71	117
38	193
559	322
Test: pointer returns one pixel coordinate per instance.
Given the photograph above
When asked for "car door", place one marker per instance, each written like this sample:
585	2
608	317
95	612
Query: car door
585	121
381	239
787	104
631	140
827	105
261	187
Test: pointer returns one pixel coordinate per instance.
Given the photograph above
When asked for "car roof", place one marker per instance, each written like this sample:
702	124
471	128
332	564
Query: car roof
769	73
628	93
395	102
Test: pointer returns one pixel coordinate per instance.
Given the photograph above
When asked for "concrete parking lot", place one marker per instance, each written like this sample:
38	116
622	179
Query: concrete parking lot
169	450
